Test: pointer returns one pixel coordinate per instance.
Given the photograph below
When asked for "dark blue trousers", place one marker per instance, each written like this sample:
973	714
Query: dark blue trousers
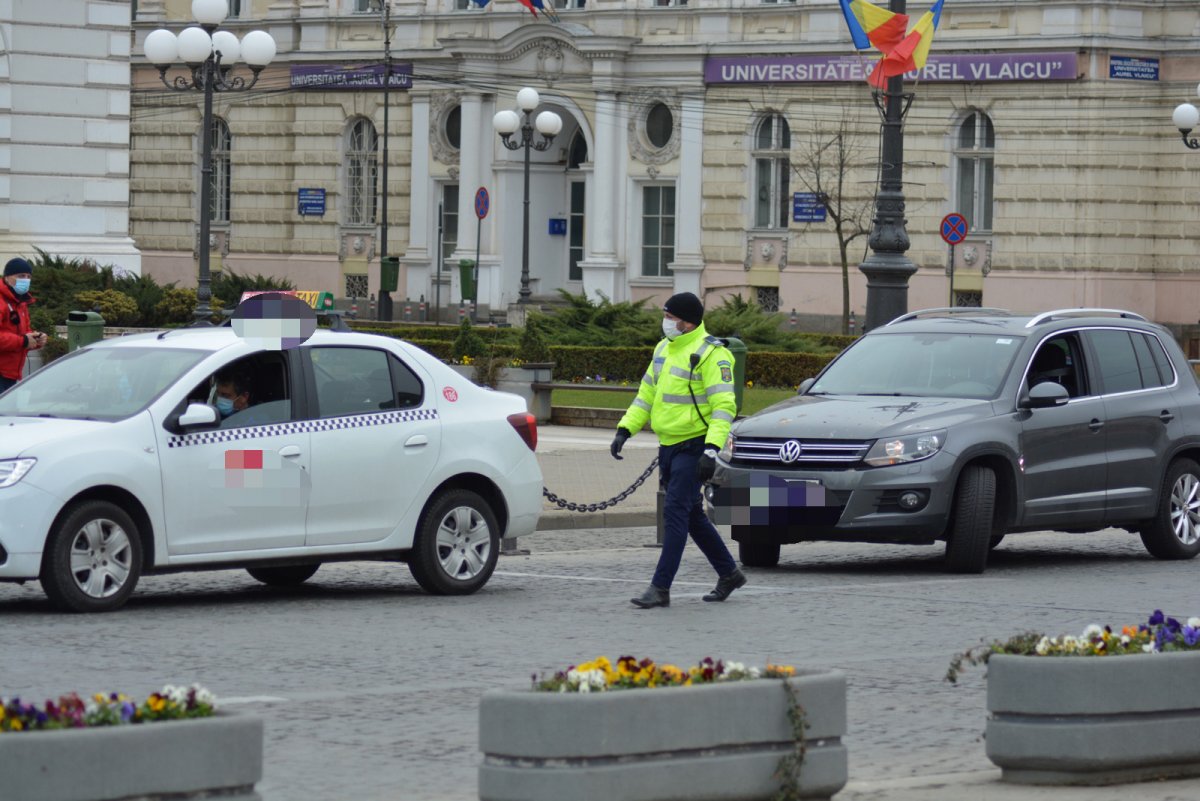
6	383
683	514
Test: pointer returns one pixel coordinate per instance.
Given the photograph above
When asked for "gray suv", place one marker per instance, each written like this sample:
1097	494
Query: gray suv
964	425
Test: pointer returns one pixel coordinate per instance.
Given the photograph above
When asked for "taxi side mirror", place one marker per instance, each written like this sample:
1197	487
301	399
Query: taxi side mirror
197	415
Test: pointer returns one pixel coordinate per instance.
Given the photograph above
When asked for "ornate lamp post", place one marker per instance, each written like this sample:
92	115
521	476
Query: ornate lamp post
887	268
1186	117
210	55
506	124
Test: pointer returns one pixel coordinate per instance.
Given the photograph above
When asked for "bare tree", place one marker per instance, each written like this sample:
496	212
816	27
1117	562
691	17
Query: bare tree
827	165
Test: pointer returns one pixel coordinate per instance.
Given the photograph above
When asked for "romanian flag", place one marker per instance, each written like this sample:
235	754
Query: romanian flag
547	8
871	25
912	52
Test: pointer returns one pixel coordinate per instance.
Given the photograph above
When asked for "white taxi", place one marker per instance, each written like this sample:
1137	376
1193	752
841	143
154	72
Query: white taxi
193	449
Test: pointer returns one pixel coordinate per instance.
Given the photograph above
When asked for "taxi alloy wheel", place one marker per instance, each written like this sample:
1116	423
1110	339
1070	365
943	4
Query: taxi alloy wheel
456	548
93	558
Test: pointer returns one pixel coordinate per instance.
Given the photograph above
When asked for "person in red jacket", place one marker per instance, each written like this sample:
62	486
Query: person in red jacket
16	336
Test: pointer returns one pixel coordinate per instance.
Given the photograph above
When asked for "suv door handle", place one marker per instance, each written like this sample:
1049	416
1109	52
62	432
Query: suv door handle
1096	425
1166	416
289	451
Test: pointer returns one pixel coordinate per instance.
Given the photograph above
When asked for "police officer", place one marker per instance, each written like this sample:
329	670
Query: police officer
687	395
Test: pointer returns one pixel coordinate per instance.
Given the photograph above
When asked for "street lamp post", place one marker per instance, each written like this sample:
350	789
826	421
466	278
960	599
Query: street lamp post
887	268
1186	117
385	297
506	124
210	55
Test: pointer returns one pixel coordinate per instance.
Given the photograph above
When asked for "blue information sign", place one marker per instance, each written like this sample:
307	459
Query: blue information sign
1132	68
954	228
558	226
310	202
807	207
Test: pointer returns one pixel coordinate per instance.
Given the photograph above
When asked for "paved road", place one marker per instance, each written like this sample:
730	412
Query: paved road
370	688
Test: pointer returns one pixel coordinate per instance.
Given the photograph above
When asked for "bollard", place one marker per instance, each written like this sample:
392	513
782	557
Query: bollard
462	312
407	310
353	307
509	547
373	306
421	309
852	322
660	501
793	318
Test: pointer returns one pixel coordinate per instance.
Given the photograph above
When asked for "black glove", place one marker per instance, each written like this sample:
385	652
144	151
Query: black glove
706	465
618	443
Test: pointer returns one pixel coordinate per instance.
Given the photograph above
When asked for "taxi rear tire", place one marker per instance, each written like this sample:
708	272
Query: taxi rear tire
457	544
288	576
93	558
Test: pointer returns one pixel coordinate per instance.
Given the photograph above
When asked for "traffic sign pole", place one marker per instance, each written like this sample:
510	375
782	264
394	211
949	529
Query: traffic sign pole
954	230
482	204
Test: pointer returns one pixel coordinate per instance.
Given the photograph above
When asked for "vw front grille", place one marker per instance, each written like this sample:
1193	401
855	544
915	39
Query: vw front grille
826	453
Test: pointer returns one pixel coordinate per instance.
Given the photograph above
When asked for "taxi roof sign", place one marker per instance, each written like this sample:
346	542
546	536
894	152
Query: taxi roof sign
316	299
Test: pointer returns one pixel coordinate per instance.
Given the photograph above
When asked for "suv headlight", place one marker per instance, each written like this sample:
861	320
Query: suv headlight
13	470
726	454
901	450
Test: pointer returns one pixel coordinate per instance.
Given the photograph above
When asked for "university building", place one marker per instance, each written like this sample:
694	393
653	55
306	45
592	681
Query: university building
698	139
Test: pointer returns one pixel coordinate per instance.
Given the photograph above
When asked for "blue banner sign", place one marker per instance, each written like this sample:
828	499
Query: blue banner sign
343	77
1131	68
310	202
807	207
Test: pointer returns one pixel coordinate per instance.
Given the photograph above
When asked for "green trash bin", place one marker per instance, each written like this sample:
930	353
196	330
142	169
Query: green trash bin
466	275
83	328
389	273
738	348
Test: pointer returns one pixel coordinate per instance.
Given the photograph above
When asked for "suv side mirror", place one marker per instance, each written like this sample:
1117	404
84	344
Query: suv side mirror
804	385
1046	394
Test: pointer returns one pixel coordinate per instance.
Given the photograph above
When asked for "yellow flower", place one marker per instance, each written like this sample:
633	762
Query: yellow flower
17	725
750	384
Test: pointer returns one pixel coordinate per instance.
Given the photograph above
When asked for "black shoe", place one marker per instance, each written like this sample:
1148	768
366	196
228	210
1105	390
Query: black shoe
654	596
726	585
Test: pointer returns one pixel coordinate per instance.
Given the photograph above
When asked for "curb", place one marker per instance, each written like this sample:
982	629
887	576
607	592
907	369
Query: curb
560	519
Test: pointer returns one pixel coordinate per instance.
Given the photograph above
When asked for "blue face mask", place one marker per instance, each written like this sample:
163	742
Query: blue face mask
225	406
21	286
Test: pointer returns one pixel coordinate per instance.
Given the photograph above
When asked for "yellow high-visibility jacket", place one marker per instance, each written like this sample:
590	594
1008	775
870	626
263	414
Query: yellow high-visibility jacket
663	397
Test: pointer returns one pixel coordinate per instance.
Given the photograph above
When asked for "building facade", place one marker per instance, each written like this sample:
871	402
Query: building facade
715	146
64	131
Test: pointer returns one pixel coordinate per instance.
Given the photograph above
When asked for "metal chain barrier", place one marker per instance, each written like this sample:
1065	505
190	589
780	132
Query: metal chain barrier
596	507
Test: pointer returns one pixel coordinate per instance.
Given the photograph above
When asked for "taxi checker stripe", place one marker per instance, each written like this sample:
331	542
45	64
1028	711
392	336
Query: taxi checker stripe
302	426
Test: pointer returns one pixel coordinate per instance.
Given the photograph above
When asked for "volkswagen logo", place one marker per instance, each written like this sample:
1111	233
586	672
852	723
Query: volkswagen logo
790	451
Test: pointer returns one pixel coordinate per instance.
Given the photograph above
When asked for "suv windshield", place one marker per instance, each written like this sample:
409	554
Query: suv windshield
98	383
922	365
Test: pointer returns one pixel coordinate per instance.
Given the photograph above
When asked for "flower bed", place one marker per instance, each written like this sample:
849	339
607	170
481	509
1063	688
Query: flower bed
641	731
1059	715
174	744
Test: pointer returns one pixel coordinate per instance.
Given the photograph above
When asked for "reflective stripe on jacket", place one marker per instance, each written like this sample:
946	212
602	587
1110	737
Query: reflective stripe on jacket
663	396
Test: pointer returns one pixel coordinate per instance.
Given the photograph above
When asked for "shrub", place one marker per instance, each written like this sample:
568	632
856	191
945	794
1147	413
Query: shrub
54	348
115	307
767	369
468	343
227	287
583	322
533	347
56	281
146	293
175	306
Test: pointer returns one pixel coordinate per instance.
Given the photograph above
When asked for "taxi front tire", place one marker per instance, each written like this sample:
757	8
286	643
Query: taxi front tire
457	544
93	558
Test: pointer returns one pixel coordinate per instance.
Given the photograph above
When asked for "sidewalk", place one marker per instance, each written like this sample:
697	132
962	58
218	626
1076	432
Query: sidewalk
577	466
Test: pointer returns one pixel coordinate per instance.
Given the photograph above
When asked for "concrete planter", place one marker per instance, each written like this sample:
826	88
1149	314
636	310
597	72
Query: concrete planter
217	757
706	742
520	381
1094	720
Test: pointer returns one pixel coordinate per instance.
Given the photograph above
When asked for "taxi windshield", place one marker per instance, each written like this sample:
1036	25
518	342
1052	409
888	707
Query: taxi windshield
98	383
922	365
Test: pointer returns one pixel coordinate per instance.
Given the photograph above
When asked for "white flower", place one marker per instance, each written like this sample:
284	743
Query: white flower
1148	647
585	688
1194	622
1043	646
1125	639
1093	631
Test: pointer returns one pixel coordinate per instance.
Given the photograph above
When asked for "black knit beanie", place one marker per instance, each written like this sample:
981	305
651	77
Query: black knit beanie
686	307
17	266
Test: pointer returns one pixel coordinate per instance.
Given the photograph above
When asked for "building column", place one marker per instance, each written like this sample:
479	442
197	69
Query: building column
689	258
602	276
417	258
470	179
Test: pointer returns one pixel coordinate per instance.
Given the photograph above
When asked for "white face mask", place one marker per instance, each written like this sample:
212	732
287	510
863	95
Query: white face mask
670	329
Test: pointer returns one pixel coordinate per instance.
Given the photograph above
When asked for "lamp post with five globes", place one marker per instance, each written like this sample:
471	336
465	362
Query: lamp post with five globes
210	55
506	124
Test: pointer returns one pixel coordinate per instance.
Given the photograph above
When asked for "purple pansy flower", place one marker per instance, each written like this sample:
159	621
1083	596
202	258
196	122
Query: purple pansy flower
1157	618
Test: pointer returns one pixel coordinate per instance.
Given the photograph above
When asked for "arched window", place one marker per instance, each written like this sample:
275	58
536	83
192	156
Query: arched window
222	144
453	129
772	165
974	157
659	125
362	165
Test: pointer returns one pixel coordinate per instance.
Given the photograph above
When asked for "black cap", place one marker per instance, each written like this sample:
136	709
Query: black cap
17	266
686	307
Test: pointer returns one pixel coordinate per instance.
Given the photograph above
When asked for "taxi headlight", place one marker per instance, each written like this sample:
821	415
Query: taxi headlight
13	470
901	450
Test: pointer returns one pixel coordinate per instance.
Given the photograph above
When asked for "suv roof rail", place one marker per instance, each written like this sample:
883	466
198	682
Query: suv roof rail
1082	312
948	310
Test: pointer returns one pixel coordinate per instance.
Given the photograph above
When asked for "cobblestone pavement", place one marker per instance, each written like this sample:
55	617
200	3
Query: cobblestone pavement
369	688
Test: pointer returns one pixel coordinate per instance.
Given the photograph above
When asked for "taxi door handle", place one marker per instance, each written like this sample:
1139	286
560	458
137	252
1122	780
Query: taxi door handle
416	441
289	451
